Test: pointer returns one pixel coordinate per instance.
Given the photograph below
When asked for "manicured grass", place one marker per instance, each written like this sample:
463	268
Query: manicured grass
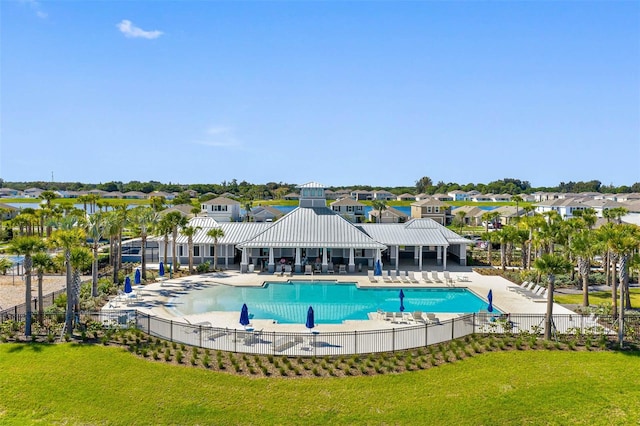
596	298
73	384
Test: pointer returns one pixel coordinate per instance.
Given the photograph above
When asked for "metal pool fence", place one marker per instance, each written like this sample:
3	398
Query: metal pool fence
404	336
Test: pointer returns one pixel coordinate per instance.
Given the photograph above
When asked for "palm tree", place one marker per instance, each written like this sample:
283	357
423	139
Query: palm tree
112	231
550	265
216	234
42	263
517	199
190	231
80	259
177	221
460	215
247	209
68	236
144	220
164	228
157	203
380	206
95	228
27	247
583	246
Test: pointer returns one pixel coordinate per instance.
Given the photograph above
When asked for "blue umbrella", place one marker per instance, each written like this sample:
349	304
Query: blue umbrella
161	273
136	279
127	285
490	298
401	300
310	319
377	270
244	315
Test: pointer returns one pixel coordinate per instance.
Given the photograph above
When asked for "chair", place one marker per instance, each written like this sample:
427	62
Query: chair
317	268
425	277
410	278
435	277
387	277
342	269
447	277
393	276
286	342
308	270
403	277
417	317
254	337
432	319
372	278
388	316
330	268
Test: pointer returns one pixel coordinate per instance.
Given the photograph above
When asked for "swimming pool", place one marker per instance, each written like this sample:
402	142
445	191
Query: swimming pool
287	303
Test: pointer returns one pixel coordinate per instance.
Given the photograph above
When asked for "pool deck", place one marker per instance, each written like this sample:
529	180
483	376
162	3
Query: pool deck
154	299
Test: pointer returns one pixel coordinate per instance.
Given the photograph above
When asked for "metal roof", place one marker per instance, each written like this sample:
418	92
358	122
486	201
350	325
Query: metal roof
234	232
313	227
396	234
311	185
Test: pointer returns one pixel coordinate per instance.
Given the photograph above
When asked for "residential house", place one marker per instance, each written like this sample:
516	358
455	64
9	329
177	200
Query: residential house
32	192
431	209
458	195
359	195
166	195
185	210
8	212
383	195
442	197
222	209
134	195
406	197
480	198
500	198
9	193
265	214
389	215
472	214
349	209
292	196
422	196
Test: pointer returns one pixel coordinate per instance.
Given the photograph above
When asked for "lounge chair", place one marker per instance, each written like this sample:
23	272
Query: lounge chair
410	277
425	277
519	287
432	319
435	277
317	268
342	269
393	275
387	277
403	277
372	278
330	268
388	316
286	342
418	317
308	270
253	337
447	277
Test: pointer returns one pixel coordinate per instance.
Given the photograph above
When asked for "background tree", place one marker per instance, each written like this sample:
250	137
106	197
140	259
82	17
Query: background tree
95	228
517	199
550	265
216	234
423	184
380	206
67	236
189	232
27	247
176	221
144	220
42	263
80	260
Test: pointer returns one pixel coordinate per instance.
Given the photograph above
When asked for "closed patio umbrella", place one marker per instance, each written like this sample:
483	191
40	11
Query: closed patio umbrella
244	315
401	300
161	272
490	298
136	279
377	270
127	285
310	319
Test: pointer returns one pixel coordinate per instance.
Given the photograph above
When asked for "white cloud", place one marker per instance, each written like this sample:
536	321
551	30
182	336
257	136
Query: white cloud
35	6
220	137
127	28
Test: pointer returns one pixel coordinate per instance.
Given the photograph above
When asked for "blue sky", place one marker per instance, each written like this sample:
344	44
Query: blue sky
344	93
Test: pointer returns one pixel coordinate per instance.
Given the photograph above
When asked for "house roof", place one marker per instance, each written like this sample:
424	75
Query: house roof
346	202
388	211
221	201
184	209
266	211
428	202
418	232
312	226
311	185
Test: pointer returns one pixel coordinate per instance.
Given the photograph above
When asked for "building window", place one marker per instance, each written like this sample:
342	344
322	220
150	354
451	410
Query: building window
180	247
429	209
211	250
436	209
196	251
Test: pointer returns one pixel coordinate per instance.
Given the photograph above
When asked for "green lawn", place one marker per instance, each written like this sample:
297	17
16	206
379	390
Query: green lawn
596	298
74	384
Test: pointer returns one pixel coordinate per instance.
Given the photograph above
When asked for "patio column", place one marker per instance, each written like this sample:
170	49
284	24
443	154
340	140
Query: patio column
420	258
352	264
463	254
416	255
439	254
444	252
226	256
397	257
244	263
325	266
272	264
297	266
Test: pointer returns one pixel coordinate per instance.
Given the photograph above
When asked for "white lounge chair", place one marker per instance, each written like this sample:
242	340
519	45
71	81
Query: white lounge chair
372	278
418	317
447	277
425	277
330	268
435	277
394	276
432	319
386	277
410	277
342	269
308	270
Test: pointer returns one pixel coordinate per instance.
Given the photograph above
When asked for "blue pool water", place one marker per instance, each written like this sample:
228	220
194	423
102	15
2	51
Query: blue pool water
332	302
